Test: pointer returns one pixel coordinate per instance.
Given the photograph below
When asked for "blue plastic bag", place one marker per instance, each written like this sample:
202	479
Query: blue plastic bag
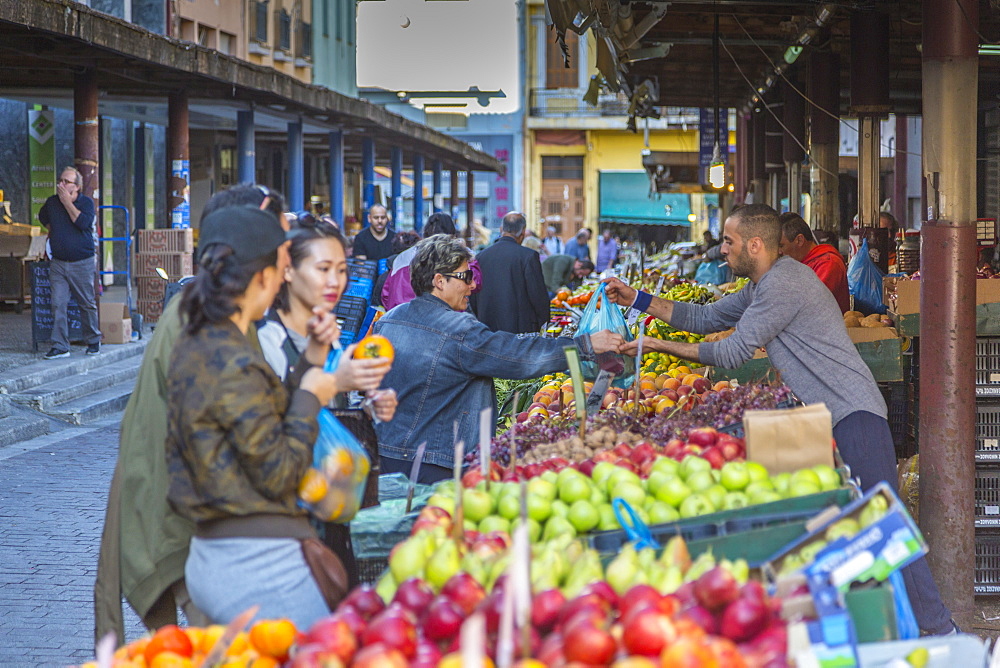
712	272
601	313
906	621
864	280
334	486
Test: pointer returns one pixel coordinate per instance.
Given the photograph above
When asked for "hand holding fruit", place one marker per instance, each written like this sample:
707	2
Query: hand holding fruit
618	292
606	341
361	374
323	330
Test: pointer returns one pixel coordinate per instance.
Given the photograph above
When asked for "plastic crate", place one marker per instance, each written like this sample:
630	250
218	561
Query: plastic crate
370	570
986	232
987	366
987	498
987	431
360	287
362	269
352	307
987	577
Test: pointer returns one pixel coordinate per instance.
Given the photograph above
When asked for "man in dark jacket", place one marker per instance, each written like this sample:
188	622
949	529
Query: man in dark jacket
513	298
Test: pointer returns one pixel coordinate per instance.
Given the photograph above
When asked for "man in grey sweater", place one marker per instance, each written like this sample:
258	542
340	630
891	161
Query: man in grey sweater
787	309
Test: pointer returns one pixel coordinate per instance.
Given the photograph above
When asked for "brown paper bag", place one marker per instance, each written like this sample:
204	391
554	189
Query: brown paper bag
789	439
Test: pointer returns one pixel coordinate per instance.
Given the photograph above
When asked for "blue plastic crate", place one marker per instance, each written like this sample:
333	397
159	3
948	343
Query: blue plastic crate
360	287
363	269
352	307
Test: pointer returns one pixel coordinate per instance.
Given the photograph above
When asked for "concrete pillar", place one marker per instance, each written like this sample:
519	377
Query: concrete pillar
899	200
367	177
296	168
470	204
824	141
793	141
396	205
948	298
454	195
246	147
86	130
418	192
179	161
337	176
870	101
139	176
438	193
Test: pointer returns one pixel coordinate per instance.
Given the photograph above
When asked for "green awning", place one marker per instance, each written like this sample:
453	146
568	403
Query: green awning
625	200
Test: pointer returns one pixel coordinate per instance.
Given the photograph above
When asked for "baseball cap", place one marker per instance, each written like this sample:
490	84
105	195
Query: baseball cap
249	231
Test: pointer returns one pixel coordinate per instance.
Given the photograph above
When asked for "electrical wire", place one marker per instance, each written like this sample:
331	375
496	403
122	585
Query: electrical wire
805	97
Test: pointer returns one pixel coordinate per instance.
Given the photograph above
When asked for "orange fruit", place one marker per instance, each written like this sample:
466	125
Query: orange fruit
273	638
138	648
210	637
170	638
312	487
374	346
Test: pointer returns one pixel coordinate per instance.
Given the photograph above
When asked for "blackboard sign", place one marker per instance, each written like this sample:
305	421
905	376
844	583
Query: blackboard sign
41	307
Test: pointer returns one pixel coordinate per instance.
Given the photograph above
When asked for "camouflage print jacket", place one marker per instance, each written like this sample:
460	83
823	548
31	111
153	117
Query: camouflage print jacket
239	441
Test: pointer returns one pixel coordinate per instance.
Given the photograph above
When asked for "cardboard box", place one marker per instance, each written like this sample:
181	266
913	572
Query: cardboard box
902	295
865	334
115	322
151	288
769	433
177	265
166	241
150	310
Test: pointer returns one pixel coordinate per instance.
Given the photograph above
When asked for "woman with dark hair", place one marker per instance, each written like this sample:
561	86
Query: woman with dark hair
239	440
446	361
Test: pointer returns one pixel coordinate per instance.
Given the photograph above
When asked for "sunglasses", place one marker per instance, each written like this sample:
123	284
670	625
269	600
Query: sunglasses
462	276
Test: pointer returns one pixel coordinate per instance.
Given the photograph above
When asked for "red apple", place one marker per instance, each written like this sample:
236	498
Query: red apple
315	656
550	652
701	385
604	456
673	446
592	646
334	635
586	467
642	452
353	619
379	655
684	389
428	655
545	607
603	590
365	600
395	632
640	593
702	617
648	632
443	619
731	447
464	590
714	456
414	594
472	478
744	619
626	464
622	449
522	417
716	589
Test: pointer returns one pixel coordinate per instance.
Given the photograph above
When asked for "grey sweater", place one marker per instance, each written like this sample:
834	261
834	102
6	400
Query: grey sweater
796	318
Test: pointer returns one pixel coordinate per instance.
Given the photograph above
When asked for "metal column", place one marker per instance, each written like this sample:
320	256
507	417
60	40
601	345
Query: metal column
870	101
246	148
758	163
179	156
86	132
774	160
824	141
337	176
367	178
899	200
296	168
454	195
418	192
793	140
948	297
438	193
396	205
470	205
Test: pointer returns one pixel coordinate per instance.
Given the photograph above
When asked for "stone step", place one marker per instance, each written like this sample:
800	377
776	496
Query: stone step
94	406
22	425
45	371
48	396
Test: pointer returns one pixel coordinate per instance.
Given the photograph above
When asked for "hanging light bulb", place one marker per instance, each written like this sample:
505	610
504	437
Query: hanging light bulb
717	169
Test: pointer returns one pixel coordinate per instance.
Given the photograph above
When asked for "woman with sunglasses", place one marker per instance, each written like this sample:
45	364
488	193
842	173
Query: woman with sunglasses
446	361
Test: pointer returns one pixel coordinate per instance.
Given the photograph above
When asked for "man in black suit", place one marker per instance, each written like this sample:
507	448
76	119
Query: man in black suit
513	298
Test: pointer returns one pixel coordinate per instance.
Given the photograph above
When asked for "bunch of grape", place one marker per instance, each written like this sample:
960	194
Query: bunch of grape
718	410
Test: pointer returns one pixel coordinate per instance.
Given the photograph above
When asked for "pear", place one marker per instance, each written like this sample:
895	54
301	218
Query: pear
647	557
675	553
740	570
444	563
667	579
623	570
386	587
473	565
585	570
703	564
497	568
408	558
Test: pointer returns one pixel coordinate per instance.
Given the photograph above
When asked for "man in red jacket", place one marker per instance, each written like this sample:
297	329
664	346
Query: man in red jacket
798	242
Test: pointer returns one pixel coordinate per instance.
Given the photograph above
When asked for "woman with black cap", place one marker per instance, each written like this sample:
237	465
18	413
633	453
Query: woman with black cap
239	440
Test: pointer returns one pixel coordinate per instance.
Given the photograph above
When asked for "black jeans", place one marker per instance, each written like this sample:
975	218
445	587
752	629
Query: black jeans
429	473
865	443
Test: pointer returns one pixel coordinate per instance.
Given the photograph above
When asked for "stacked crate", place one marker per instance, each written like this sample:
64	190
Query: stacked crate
987	465
169	249
352	310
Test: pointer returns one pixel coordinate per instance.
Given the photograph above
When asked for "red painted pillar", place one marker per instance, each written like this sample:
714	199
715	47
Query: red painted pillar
86	131
178	161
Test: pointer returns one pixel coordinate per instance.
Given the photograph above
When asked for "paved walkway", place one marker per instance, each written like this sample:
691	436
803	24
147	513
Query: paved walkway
53	491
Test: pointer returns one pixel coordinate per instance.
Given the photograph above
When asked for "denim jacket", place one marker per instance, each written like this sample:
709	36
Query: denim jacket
443	373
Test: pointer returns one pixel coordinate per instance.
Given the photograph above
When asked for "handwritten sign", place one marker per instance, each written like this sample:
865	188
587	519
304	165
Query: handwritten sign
42	313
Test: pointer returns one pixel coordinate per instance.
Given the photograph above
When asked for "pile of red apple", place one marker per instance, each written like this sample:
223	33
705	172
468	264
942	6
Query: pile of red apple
705	442
713	621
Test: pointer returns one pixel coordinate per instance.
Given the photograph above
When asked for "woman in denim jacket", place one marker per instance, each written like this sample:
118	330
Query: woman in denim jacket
446	361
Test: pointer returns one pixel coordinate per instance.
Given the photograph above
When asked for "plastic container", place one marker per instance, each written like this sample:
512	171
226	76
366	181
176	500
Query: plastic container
944	652
988	431
362	269
987	498
987	578
987	366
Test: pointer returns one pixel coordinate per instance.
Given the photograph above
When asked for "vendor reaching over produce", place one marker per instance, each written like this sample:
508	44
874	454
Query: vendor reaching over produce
564	270
446	361
786	309
798	243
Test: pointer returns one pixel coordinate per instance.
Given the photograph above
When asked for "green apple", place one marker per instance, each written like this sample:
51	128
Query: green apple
542	488
666	465
557	526
574	488
539	508
759	486
608	521
780	482
734	500
469	525
630	492
509	506
559	508
620	475
809	552
583	516
657	479
716	474
763	496
876	507
597	497
757	471
493	523
807	476
601	472
443	502
534	529
476	504
801	488
662	513
674	491
735	476
829	479
692	464
446	488
716	494
700	481
846	527
695	505
549	476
